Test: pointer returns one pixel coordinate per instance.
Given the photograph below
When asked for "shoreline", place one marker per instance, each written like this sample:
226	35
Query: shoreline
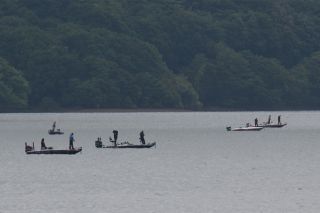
142	110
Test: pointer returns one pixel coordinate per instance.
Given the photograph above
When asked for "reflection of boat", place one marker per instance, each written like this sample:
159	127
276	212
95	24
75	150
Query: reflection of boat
266	125
55	132
99	144
249	128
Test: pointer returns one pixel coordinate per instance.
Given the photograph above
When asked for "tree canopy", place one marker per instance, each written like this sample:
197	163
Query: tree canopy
13	87
187	54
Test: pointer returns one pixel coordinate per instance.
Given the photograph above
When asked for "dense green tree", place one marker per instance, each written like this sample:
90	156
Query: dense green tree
13	87
161	53
307	79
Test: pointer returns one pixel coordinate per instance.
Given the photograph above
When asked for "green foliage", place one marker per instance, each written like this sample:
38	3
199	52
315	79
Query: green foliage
13	87
307	78
161	53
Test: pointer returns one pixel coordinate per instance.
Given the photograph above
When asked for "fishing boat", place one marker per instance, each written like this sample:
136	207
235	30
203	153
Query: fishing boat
56	151
30	150
249	128
270	124
53	131
265	125
129	145
126	144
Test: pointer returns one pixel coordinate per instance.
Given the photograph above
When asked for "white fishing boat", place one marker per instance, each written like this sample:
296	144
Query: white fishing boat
266	125
249	128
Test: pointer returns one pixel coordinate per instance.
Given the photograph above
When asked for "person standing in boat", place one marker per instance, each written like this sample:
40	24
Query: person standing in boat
279	119
115	137
269	120
28	147
256	122
53	126
71	140
142	137
43	145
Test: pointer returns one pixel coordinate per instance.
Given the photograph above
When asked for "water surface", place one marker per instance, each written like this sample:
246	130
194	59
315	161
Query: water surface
196	166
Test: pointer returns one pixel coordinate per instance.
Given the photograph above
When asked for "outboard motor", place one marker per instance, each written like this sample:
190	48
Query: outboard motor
113	141
28	148
98	143
228	128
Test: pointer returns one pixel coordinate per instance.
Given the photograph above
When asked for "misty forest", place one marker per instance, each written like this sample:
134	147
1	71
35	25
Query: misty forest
179	54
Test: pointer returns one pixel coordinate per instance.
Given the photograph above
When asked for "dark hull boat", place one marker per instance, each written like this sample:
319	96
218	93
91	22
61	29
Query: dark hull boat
250	128
272	125
52	132
133	146
123	145
55	151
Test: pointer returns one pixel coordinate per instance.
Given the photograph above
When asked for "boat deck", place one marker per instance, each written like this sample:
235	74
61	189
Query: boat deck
56	151
132	146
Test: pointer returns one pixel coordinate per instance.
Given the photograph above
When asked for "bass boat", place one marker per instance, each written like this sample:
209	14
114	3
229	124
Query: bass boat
249	128
30	150
55	132
266	125
99	144
129	145
56	151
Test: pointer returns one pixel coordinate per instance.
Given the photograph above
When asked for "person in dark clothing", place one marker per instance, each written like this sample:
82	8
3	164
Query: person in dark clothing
279	119
98	143
53	126
142	137
43	145
28	147
256	122
71	140
115	137
269	120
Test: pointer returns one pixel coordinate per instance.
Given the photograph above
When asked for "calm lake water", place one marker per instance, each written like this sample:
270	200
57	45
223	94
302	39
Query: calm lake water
196	166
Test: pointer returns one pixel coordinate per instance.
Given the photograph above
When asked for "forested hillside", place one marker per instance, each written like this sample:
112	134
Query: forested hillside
186	54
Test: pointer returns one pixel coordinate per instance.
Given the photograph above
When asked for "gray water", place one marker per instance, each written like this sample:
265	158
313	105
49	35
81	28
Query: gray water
196	166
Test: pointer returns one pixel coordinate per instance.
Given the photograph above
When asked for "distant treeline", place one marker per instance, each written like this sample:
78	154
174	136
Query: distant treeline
184	54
